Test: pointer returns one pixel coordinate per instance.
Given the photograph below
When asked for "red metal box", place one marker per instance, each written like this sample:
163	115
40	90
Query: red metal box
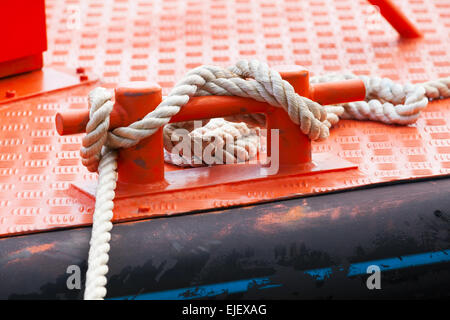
23	36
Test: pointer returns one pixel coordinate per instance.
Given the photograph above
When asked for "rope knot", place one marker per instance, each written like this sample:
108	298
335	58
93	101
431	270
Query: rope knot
249	79
100	107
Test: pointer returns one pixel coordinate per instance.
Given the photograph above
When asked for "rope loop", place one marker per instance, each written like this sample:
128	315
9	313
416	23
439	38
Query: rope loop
249	79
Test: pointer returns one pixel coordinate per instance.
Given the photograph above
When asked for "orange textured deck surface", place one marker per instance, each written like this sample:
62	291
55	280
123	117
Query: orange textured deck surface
154	40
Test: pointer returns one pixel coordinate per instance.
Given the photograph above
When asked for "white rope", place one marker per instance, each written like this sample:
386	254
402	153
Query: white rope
229	142
251	79
101	227
385	101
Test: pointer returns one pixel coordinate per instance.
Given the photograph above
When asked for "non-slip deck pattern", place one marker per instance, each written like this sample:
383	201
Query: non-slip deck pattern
127	40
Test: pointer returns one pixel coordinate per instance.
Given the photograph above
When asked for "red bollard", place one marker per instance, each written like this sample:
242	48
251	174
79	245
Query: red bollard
144	163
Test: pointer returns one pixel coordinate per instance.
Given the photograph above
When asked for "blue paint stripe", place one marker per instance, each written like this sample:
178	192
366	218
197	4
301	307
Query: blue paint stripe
203	291
414	260
354	269
321	274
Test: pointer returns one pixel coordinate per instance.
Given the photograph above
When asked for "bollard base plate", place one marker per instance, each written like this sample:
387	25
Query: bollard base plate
222	175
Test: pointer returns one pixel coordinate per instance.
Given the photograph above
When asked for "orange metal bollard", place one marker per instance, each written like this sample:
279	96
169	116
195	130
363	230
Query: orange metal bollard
396	18
144	163
133	100
294	146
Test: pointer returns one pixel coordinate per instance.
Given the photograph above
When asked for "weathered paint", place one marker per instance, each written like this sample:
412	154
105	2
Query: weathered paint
318	274
16	256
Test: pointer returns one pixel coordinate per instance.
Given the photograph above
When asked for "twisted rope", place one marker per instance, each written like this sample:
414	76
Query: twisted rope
101	227
250	79
229	142
385	102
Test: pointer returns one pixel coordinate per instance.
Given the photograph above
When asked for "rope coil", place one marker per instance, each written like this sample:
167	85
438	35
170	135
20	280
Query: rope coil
386	102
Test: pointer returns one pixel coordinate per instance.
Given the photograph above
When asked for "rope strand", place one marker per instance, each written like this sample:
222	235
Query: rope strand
101	227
